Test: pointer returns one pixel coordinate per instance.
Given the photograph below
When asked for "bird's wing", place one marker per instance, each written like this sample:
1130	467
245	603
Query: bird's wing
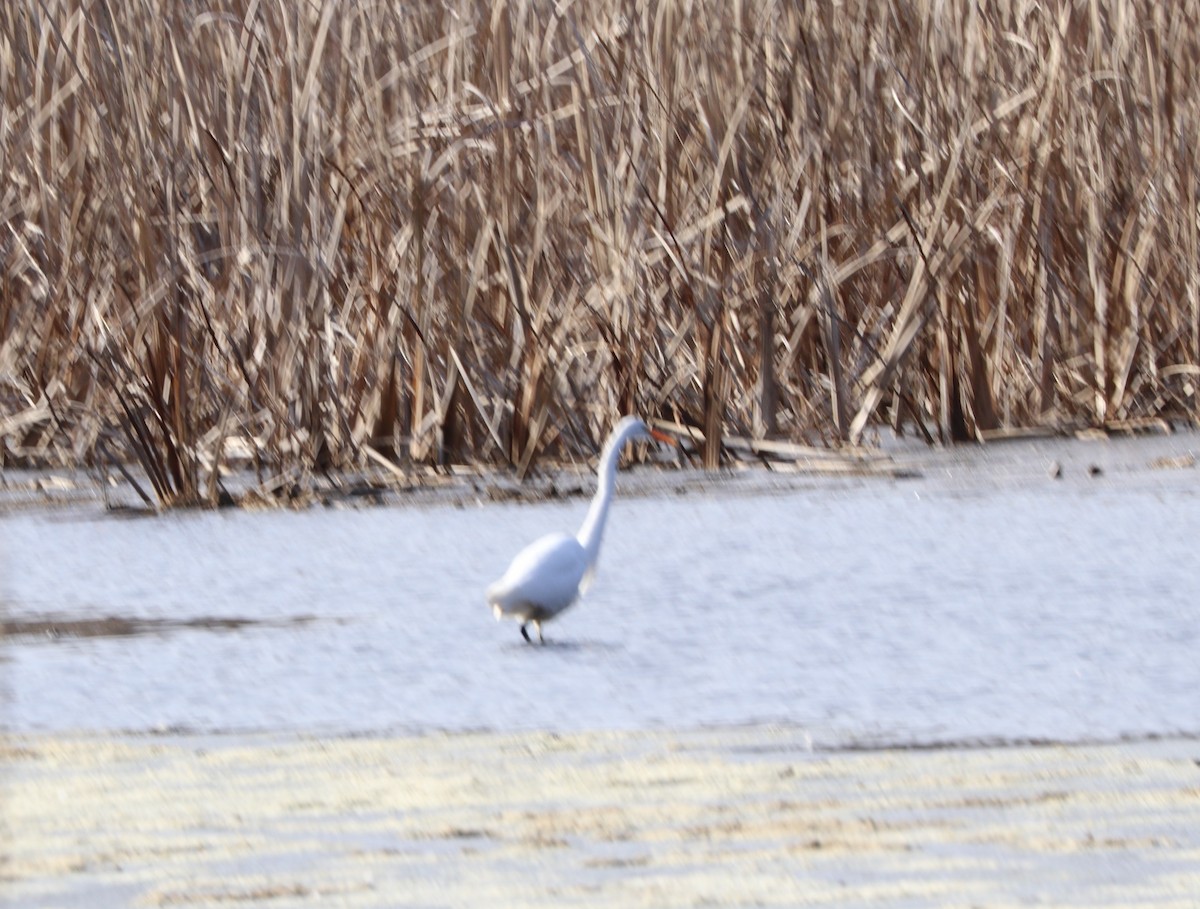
545	573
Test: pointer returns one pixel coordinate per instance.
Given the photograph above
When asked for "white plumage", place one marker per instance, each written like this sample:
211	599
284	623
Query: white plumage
550	573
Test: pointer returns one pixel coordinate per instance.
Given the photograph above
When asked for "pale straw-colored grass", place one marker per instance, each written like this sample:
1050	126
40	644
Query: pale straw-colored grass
323	232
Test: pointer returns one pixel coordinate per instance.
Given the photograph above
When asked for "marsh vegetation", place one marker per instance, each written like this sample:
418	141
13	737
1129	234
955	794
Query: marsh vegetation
307	236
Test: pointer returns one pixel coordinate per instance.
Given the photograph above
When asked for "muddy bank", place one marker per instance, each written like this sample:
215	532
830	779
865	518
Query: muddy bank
733	817
751	468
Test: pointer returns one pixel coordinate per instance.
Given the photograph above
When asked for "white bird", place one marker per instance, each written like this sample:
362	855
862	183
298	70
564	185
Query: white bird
550	573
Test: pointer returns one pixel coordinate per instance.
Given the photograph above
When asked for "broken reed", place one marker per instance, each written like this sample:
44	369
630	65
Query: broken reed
306	234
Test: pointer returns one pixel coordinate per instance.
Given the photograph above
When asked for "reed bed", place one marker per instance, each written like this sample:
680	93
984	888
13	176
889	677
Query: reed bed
302	236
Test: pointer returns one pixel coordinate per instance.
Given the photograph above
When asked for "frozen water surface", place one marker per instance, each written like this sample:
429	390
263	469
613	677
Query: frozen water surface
982	599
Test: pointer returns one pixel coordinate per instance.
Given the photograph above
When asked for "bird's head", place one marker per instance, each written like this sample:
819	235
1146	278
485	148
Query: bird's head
632	429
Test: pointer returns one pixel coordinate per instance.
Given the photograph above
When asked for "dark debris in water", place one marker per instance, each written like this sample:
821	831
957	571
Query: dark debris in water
58	627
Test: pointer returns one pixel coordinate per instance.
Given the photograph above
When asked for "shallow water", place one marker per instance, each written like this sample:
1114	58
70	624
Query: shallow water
982	600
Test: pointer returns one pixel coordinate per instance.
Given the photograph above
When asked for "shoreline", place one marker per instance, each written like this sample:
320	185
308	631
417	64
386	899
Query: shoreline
722	816
797	736
1084	456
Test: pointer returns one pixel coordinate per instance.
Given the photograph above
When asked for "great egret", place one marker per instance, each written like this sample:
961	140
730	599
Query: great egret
550	573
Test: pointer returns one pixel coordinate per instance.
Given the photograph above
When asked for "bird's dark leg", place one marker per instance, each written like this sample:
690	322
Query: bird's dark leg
525	634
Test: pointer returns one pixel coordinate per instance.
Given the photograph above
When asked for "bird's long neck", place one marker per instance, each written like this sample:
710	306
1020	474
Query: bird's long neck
592	530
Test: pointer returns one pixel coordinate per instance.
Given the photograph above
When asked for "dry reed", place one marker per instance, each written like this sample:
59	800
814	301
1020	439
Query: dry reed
301	235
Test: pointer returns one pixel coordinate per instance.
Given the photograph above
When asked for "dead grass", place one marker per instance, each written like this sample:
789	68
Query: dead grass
298	234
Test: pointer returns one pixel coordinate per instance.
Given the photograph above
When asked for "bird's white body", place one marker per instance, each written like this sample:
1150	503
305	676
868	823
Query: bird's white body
549	574
543	580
